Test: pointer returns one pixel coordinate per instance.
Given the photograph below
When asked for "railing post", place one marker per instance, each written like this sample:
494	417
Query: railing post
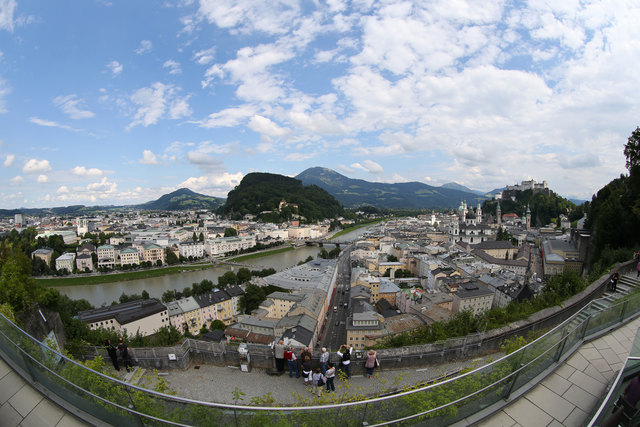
586	325
133	407
513	383
364	415
561	347
27	364
624	310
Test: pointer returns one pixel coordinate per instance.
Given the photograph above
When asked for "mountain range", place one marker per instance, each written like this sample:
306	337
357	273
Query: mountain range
350	193
353	193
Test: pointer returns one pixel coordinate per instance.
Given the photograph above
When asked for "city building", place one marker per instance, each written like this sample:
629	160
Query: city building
66	261
142	316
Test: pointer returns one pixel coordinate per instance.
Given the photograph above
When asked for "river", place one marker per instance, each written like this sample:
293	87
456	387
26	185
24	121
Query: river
104	294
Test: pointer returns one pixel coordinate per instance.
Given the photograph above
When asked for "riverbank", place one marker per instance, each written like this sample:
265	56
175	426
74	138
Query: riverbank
260	254
100	278
355	227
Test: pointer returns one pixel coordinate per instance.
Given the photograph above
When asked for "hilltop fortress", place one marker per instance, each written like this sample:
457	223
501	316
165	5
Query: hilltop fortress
536	187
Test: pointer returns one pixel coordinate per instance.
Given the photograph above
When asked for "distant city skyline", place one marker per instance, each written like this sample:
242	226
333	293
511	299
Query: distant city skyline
116	103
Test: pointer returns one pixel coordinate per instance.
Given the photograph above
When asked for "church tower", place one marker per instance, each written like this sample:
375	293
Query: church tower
499	214
528	217
479	213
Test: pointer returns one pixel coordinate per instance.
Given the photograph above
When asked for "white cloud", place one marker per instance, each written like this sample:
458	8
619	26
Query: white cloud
42	179
83	171
179	108
154	101
148	158
16	180
173	66
103	186
205	57
7	9
145	47
36	166
204	161
272	17
52	124
267	127
8	160
215	185
299	157
115	67
62	190
72	106
229	117
369	166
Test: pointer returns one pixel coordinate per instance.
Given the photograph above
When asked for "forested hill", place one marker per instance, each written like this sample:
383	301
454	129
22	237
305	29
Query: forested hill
261	193
182	199
545	208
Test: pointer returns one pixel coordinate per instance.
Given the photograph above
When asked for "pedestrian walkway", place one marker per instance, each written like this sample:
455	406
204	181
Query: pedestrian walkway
22	405
567	397
572	393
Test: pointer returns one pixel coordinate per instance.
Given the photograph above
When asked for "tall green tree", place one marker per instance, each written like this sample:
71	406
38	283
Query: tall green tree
16	287
632	150
252	298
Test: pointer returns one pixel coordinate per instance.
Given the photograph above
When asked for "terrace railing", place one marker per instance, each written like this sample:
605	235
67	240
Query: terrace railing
469	396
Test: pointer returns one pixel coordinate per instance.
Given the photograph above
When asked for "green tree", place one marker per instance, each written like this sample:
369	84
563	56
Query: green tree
171	257
252	298
230	232
392	258
632	150
201	237
244	275
16	287
217	324
227	279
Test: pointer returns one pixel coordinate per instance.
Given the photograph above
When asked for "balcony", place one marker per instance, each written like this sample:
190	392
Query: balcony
458	399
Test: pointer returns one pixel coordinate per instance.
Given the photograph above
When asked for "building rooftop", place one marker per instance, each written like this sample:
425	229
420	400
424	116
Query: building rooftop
123	313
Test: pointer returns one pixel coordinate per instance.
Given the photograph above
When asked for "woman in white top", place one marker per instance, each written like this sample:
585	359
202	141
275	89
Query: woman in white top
329	376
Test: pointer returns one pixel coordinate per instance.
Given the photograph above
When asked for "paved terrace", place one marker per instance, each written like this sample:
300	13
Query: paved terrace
567	397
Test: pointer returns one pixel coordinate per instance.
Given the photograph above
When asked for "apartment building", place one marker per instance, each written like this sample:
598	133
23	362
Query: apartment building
143	316
66	261
106	256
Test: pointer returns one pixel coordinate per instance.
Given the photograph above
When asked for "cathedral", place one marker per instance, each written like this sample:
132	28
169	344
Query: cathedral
470	227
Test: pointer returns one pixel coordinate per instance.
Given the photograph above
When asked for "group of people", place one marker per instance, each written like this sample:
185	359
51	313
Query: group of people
323	375
123	350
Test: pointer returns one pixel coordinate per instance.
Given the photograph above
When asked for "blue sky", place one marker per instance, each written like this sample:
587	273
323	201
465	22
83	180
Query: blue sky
118	102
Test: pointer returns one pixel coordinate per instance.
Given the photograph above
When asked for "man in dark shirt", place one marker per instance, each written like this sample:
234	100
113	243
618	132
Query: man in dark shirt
124	355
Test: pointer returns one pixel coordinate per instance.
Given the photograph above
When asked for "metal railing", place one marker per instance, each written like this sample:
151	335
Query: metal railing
111	401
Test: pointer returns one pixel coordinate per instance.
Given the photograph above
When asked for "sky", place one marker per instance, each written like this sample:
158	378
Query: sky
114	102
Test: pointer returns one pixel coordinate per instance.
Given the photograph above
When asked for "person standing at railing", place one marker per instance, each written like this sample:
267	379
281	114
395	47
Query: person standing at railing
113	353
290	357
370	363
324	359
278	354
344	353
330	376
124	355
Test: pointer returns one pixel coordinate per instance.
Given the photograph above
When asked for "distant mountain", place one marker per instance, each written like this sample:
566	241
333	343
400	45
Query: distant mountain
459	187
407	195
260	194
182	199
